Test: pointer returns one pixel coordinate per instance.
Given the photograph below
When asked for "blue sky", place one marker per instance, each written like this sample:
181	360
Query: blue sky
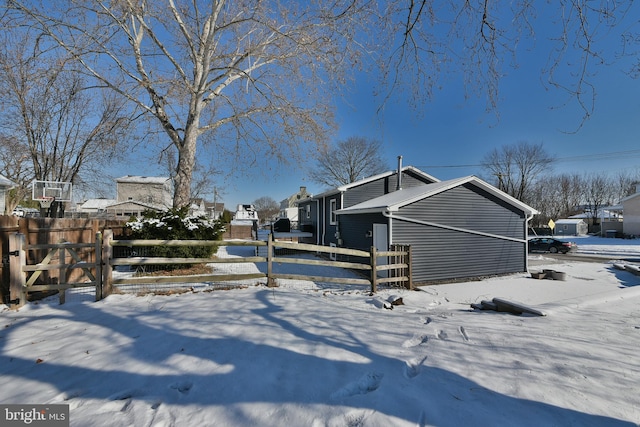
448	136
451	132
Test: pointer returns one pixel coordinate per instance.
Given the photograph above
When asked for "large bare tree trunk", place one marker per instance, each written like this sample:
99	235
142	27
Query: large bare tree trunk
184	171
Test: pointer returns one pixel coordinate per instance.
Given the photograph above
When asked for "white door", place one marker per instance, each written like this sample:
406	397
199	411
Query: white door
381	243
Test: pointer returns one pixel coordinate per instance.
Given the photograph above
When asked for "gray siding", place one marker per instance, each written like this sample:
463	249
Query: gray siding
380	187
354	230
312	220
440	254
329	230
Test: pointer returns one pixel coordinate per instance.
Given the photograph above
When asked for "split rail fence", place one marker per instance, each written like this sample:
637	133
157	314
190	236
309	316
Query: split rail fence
378	267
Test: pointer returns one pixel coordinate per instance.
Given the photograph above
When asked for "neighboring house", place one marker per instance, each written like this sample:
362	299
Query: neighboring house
318	214
136	194
460	228
198	207
214	210
606	218
289	206
5	185
571	227
631	209
150	190
130	208
95	207
245	214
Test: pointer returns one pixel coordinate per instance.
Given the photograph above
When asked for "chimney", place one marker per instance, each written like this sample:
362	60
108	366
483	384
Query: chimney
399	184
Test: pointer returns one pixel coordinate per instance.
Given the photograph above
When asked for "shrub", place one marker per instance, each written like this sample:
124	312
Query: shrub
176	224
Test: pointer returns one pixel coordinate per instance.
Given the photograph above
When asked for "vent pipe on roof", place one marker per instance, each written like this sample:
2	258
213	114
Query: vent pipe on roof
399	184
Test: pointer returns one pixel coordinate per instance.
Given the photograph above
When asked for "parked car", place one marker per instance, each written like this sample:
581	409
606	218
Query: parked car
548	244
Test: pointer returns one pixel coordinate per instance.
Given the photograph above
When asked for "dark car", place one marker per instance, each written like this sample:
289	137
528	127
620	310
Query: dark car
548	244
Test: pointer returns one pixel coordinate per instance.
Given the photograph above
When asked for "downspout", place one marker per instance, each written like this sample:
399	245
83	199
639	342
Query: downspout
317	221
324	220
399	183
526	233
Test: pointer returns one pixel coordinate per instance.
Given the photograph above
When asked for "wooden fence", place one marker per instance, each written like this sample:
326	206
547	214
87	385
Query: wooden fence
395	268
49	231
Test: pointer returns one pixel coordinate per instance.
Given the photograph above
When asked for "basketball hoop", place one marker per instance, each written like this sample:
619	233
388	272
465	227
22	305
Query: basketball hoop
45	202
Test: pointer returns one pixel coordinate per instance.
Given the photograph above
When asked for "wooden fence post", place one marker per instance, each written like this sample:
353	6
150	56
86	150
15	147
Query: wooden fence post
107	270
62	274
409	270
374	270
271	281
18	278
98	261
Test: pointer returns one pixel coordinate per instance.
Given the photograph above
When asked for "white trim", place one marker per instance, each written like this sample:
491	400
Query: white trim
333	207
448	227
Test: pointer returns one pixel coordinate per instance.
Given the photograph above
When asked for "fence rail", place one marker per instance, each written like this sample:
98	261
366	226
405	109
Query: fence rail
395	268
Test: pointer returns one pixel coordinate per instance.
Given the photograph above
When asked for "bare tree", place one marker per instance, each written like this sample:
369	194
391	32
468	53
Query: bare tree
483	38
50	117
624	184
349	160
252	77
243	72
16	165
556	196
266	207
598	192
517	167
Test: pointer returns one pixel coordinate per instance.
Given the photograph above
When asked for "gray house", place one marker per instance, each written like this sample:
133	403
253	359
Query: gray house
571	227
318	214
459	228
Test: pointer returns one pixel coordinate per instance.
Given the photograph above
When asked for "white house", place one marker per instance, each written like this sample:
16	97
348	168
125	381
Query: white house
631	209
5	185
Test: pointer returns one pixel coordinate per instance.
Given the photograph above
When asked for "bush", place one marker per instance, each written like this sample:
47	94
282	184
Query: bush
176	224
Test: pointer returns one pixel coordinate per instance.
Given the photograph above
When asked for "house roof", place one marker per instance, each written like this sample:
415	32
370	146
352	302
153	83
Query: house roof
633	196
606	212
97	203
137	203
6	183
345	187
569	221
143	179
393	201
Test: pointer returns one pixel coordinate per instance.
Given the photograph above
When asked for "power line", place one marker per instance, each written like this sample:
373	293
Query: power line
584	157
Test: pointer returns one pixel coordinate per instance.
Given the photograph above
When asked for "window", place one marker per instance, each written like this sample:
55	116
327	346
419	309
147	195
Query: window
308	209
332	212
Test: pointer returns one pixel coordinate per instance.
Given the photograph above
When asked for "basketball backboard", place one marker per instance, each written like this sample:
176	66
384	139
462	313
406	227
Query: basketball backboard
47	190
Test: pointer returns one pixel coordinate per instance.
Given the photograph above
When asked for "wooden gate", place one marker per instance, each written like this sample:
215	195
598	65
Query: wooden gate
55	269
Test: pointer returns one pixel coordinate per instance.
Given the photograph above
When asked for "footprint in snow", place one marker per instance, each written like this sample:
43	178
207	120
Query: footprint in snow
413	367
442	335
416	340
182	386
463	332
366	384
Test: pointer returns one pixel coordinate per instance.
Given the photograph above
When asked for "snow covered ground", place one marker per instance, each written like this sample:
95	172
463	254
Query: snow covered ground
314	354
